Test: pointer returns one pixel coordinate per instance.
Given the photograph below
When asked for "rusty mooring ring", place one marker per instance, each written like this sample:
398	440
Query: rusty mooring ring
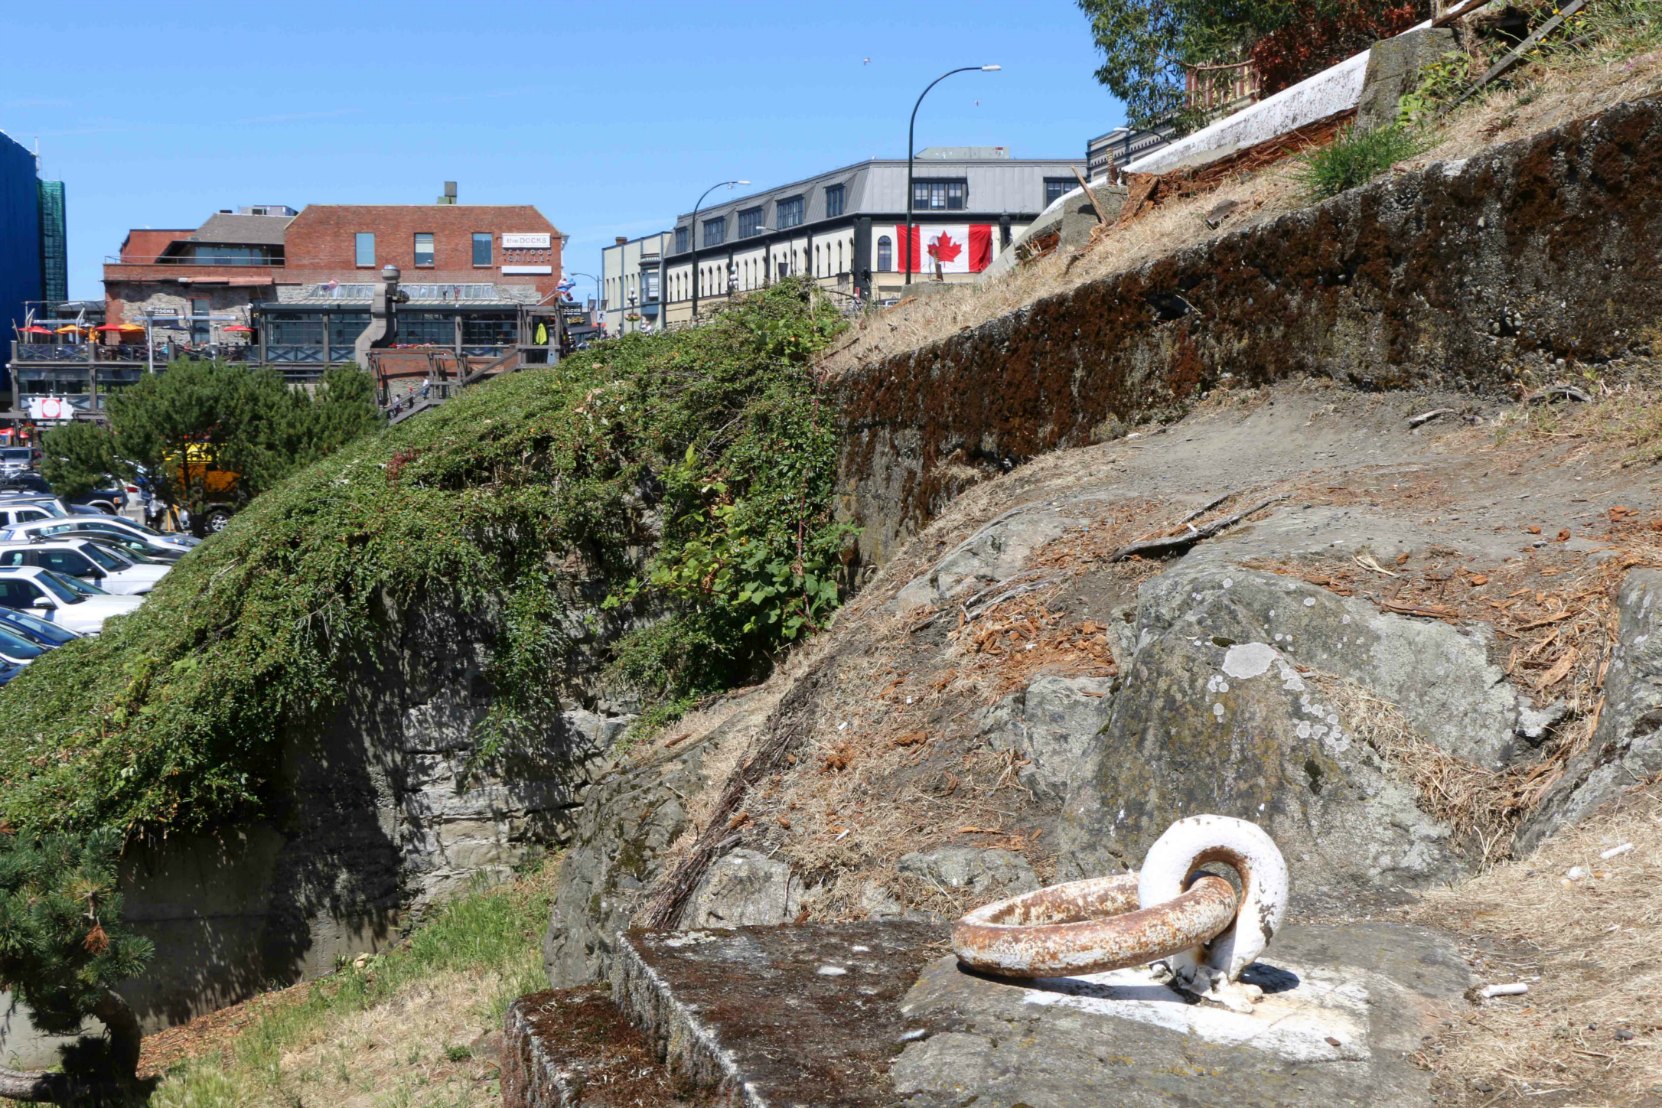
1171	911
1089	927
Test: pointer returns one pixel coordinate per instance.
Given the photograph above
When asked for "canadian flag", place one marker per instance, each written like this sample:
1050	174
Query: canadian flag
958	247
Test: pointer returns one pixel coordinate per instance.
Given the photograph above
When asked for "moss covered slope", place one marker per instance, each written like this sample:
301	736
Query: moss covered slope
174	716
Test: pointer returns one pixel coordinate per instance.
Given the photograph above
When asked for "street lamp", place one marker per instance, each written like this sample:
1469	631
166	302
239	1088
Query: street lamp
692	237
910	146
592	277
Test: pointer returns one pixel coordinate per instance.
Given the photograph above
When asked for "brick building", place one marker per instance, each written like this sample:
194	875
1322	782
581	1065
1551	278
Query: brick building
467	270
267	285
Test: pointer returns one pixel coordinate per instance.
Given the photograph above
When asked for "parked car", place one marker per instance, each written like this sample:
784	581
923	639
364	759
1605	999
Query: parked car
111	525
222	491
7	673
63	600
15	650
13	512
138	550
50	505
83	558
25	483
116	496
35	629
18	459
131	547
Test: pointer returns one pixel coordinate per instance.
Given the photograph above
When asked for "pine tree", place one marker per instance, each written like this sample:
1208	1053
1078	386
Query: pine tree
62	951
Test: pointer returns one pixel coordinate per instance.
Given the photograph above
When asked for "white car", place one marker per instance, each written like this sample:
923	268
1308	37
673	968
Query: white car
14	512
62	600
87	526
109	569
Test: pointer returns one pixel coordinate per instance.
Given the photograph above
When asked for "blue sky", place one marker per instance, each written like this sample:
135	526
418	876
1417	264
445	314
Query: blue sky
610	117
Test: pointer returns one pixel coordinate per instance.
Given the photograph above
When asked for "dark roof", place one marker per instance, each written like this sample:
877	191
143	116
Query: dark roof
250	230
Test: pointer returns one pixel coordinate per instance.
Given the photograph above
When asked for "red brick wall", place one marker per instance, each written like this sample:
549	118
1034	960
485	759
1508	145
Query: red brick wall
145	245
319	243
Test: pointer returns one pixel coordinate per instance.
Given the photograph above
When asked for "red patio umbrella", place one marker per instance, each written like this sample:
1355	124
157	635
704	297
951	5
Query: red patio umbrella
239	329
35	329
112	327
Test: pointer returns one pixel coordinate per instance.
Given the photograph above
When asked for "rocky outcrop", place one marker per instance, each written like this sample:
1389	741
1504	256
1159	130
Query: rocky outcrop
990	873
1626	748
629	819
1050	725
1237	731
745	889
387	810
1440	676
1344	1016
1221	710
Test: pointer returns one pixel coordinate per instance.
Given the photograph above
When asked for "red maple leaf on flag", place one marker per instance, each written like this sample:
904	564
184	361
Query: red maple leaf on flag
942	248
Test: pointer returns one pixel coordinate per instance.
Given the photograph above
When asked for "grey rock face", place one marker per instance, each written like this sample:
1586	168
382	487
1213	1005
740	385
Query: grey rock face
992	873
629	817
1198	727
1066	1043
997	550
1627	746
1051	724
626	822
1439	676
744	889
380	815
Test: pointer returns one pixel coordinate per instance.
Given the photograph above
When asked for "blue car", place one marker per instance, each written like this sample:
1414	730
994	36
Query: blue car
15	650
36	630
7	672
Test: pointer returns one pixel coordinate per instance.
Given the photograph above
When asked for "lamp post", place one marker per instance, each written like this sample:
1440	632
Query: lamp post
911	129
596	280
590	276
692	238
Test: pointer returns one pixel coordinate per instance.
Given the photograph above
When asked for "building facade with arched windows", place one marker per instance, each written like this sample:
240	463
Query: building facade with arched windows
846	228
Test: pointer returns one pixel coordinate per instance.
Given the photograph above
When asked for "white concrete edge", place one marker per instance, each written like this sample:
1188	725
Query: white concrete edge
1335	89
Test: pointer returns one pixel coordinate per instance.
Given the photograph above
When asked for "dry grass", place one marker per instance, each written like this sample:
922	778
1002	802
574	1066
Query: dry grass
416	1025
1168	227
1590	1029
1477	803
423	1046
1544	96
1625	415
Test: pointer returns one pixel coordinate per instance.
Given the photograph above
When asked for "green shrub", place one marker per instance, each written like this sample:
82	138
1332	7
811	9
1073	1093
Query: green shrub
688	475
172	717
1354	158
1438	85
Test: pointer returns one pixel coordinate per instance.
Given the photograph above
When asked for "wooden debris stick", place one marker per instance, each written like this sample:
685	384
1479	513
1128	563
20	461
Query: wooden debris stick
1447	15
974	610
1432	611
1427	417
1174	544
1517	53
1368	561
1204	508
1096	205
1558	392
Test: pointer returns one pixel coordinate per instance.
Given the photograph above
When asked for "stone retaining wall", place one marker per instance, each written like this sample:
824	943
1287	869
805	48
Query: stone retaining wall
1476	274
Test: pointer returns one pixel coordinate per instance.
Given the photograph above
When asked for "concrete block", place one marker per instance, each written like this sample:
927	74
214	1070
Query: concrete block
1394	66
